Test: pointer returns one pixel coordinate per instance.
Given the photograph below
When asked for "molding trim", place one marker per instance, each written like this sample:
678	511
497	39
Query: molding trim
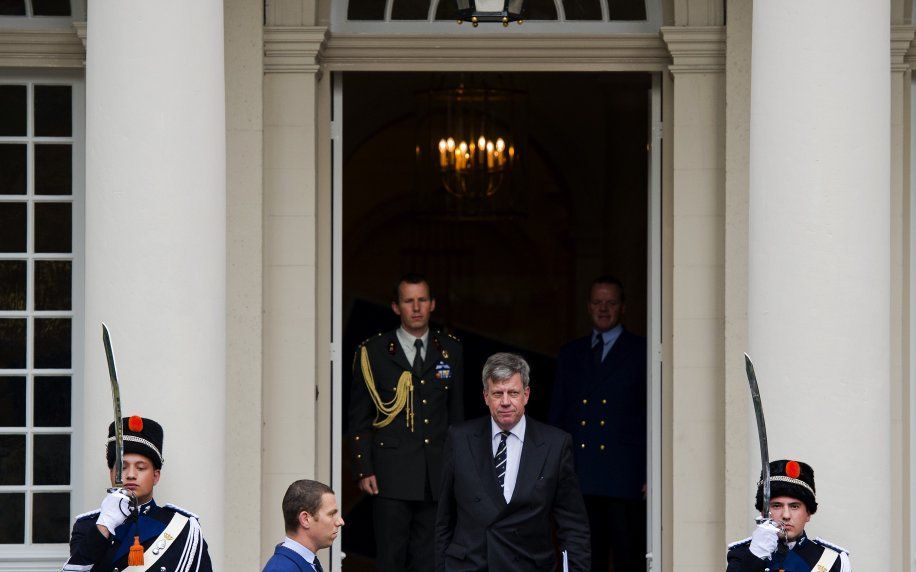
903	52
23	48
81	28
293	49
696	49
624	52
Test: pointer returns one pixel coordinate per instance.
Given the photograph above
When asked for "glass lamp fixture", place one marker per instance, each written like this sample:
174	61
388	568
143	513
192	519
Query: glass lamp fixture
477	11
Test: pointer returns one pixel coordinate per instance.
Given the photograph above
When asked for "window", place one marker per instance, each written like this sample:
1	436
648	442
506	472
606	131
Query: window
39	155
34	7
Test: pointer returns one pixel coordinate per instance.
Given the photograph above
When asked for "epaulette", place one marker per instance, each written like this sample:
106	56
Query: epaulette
369	339
828	544
739	542
453	336
181	510
87	515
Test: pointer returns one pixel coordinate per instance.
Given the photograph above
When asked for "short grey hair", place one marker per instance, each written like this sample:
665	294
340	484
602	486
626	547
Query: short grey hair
502	366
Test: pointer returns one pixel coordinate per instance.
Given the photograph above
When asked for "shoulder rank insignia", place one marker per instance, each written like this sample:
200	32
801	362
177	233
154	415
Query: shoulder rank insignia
391	348
439	347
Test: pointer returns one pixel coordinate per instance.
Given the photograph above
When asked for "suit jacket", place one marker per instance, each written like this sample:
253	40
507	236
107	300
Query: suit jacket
477	530
403	460
91	551
604	409
286	560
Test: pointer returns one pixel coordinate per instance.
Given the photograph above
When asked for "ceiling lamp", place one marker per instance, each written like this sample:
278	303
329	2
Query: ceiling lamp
476	11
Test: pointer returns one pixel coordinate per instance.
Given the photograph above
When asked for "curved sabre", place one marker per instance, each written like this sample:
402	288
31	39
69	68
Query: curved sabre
116	402
762	435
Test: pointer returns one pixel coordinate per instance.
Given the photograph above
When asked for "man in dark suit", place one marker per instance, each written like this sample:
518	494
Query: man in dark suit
599	397
503	477
312	522
407	389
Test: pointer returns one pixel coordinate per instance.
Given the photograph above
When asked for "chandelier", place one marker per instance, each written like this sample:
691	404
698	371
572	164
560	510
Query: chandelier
474	148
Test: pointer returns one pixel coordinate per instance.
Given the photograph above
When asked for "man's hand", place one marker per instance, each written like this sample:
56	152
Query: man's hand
115	510
764	540
369	485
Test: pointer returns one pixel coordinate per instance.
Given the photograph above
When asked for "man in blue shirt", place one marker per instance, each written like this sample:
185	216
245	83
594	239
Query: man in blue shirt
312	522
599	398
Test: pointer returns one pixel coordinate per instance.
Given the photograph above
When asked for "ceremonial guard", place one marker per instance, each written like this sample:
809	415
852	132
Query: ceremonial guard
781	543
130	531
407	390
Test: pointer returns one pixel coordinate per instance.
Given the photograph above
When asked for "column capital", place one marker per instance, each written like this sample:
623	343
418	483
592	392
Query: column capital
695	49
293	49
41	49
903	53
81	30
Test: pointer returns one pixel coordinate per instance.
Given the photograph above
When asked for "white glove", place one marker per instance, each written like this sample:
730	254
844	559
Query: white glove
115	510
764	540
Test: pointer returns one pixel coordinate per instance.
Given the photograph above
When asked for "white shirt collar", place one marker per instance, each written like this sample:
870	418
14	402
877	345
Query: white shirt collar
518	430
302	551
407	339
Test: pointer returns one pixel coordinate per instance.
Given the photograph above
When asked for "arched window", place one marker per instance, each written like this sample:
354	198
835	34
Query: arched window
403	16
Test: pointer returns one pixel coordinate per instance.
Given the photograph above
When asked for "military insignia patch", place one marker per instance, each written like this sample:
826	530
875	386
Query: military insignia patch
443	371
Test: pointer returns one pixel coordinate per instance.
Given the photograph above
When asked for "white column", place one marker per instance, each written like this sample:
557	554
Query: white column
155	242
819	248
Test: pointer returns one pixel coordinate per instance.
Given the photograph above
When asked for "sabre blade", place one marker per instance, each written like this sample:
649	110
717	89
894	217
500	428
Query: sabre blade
116	402
761	435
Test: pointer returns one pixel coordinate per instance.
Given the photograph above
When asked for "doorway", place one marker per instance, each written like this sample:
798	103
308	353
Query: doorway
513	278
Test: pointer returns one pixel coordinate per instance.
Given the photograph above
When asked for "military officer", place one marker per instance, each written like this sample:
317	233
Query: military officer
781	543
156	538
407	390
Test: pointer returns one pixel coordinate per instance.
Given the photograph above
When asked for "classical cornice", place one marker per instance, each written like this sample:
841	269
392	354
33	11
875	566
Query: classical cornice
696	49
293	49
903	53
624	52
24	48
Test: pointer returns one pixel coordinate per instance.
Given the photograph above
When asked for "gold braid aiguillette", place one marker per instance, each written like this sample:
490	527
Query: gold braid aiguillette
403	395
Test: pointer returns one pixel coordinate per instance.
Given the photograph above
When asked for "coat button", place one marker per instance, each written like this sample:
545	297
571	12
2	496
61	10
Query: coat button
423	401
582	445
426	421
359	455
585	402
582	422
381	444
356	438
426	441
601	447
422	382
604	402
601	423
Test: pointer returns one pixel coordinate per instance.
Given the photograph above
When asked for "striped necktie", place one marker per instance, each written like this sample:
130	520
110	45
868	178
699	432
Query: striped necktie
500	460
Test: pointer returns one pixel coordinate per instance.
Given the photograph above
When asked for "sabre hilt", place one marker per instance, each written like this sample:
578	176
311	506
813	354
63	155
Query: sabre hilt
133	507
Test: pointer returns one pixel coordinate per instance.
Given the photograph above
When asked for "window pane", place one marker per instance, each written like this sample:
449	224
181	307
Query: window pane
12	109
52	284
12	284
12	343
50	517
12	169
12	460
51	460
447	10
52	401
52	111
582	9
52	227
411	9
627	10
366	10
12	401
53	170
12	518
12	227
540	10
51	7
52	343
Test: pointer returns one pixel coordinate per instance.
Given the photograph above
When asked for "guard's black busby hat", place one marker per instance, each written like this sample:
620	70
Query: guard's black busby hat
141	435
790	479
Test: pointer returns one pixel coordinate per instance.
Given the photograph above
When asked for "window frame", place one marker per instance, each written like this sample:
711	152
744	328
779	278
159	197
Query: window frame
340	24
30	556
30	21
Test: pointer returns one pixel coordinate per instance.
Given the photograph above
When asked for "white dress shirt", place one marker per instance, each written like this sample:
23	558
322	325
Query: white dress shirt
407	344
514	443
302	551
